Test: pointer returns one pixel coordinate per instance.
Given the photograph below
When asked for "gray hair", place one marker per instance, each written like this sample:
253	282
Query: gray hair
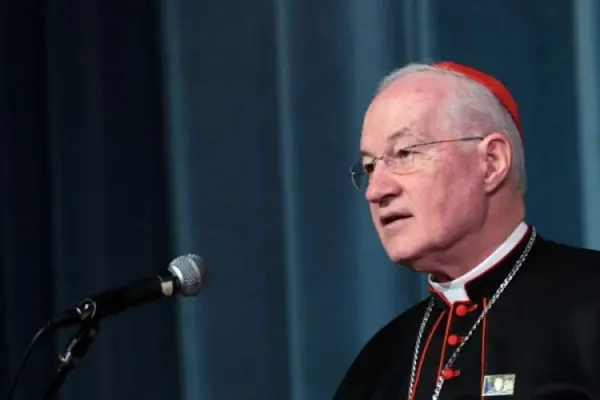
476	107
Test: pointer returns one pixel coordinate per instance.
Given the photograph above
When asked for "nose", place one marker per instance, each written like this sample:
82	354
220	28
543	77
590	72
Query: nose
382	185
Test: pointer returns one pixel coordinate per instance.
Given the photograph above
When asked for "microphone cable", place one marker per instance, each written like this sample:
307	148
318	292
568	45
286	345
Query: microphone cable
21	368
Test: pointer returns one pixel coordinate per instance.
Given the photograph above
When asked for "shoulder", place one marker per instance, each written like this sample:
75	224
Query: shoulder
387	345
565	273
567	260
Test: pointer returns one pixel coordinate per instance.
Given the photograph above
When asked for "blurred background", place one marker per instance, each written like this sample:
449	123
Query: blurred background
136	131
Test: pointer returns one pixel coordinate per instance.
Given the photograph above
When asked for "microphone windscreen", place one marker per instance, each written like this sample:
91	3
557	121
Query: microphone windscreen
191	272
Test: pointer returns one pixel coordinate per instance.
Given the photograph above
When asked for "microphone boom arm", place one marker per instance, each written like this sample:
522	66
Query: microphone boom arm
76	349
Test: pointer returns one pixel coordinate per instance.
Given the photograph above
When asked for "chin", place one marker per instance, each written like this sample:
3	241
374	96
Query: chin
405	254
406	249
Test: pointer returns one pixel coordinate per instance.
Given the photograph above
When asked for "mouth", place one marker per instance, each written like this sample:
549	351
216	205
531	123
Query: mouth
394	218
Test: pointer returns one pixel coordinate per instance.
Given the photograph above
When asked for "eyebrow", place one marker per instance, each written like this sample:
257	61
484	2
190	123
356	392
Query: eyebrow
402	133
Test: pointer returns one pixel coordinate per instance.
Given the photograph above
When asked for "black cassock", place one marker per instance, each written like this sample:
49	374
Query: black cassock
539	340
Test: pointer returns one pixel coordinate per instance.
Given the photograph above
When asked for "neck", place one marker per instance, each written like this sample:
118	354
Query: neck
463	255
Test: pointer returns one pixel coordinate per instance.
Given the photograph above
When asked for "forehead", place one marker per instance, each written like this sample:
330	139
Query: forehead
404	110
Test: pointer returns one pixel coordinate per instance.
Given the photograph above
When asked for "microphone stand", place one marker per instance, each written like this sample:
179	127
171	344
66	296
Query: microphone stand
76	349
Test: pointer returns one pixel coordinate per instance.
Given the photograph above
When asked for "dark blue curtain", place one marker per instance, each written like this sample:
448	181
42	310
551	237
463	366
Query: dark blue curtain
133	132
84	191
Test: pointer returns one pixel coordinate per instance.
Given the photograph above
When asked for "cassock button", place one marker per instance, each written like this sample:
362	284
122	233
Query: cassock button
453	340
449	373
462	310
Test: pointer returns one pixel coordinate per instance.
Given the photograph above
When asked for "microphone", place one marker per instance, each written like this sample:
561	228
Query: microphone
184	276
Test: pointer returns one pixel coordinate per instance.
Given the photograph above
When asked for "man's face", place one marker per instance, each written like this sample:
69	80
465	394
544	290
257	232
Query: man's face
442	198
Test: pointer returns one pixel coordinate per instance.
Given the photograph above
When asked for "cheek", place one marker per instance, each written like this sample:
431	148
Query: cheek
447	199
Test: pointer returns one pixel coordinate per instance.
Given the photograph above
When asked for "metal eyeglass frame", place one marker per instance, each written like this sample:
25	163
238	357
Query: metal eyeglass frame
371	165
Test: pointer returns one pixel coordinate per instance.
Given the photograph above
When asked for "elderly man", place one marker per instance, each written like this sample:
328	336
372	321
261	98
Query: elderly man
509	313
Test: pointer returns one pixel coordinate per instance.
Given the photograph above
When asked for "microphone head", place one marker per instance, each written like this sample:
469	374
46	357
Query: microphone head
190	271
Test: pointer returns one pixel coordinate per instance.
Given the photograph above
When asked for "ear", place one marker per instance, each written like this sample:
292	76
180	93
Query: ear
495	157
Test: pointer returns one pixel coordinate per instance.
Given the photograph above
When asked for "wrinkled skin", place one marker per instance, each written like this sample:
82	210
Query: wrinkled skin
448	200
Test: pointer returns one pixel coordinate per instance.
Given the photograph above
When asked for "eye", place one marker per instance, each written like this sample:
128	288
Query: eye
368	167
404	153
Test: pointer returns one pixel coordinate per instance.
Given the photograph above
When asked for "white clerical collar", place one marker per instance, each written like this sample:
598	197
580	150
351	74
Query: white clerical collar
455	290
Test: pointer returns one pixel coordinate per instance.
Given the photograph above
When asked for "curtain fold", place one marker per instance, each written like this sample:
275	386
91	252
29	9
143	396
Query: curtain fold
27	289
85	204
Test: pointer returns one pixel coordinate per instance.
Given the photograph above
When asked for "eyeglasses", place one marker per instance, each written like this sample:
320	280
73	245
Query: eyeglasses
402	162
